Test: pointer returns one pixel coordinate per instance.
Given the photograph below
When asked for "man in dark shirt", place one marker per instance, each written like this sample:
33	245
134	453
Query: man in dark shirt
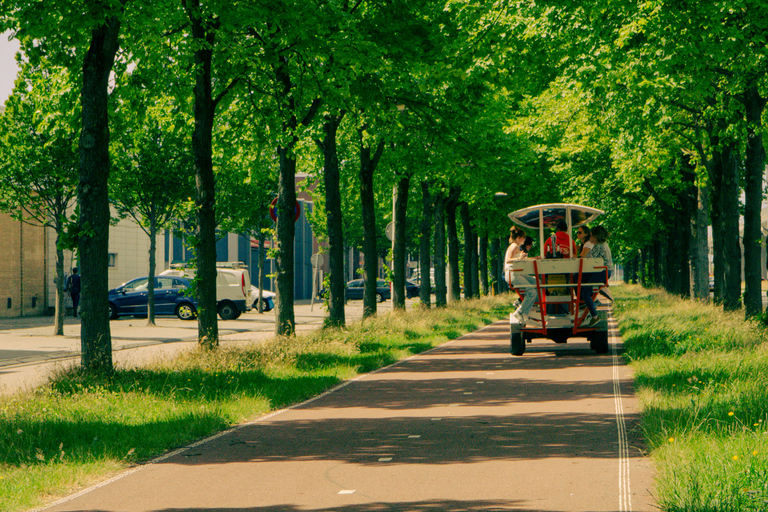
73	287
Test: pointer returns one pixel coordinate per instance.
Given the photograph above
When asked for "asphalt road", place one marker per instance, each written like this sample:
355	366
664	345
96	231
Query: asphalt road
465	426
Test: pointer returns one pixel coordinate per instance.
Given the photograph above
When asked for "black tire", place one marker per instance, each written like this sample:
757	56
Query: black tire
517	345
112	312
265	306
599	342
228	311
379	297
186	311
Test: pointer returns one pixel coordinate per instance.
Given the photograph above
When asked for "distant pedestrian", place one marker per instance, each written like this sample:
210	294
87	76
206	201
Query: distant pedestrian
73	287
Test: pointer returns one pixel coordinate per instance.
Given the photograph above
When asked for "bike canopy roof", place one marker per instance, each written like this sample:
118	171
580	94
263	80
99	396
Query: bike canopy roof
546	216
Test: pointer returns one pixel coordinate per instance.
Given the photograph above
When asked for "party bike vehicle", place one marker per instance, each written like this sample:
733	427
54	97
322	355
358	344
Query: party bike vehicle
558	312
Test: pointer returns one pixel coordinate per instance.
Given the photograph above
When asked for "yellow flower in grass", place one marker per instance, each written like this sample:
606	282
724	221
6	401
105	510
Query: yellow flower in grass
735	457
671	439
731	413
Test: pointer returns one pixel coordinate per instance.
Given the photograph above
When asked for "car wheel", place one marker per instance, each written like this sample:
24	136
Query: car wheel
264	305
113	312
517	344
379	297
186	311
228	311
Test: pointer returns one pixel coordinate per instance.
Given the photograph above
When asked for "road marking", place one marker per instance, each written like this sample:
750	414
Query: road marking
625	495
346	492
385	459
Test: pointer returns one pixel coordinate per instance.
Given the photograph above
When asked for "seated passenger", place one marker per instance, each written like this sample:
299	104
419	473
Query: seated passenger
564	246
518	280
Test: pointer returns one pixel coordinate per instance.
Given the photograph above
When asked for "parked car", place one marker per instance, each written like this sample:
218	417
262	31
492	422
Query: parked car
171	298
356	288
267	296
411	289
232	293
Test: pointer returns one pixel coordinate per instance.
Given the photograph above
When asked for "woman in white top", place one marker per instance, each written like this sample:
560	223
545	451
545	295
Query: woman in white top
515	252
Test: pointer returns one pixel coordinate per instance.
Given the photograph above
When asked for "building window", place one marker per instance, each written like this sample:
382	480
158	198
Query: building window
112	260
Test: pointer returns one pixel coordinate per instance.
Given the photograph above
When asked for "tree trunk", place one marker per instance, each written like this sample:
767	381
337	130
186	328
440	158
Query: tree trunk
454	292
205	186
730	241
93	198
475	273
754	168
495	284
400	200
368	165
439	262
715	172
285	321
425	250
152	270
700	247
58	323
468	249
262	264
483	263
334	223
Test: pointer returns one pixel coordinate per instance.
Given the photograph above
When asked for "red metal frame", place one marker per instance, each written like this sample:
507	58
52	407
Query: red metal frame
573	304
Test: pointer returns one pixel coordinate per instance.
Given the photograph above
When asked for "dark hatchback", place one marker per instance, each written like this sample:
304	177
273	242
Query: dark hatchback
170	299
356	288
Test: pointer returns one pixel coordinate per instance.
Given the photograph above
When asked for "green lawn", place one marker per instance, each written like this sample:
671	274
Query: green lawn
702	379
79	429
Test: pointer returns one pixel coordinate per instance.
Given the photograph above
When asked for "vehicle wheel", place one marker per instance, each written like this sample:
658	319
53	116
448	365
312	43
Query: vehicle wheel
228	311
517	344
112	312
186	311
379	297
599	342
265	306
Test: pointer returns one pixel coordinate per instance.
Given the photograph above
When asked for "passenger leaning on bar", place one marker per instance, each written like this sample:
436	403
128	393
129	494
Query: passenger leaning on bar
515	252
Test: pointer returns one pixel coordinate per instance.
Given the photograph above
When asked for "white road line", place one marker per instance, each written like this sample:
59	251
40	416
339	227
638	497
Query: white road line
625	495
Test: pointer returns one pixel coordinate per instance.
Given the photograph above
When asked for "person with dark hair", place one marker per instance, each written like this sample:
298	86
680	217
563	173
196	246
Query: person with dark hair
514	251
521	282
73	287
527	245
584	244
559	245
599	250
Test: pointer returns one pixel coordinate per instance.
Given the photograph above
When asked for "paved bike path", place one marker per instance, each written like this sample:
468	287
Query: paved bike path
465	426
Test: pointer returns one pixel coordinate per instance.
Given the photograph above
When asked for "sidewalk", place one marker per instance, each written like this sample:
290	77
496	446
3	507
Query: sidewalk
29	351
465	426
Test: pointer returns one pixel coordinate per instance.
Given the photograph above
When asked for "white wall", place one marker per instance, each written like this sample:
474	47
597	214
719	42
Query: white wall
130	245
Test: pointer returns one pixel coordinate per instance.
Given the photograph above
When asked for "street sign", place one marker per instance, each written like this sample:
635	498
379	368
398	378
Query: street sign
391	231
273	210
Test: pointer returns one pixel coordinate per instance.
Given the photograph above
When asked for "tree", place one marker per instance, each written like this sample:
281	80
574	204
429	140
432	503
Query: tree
151	180
39	159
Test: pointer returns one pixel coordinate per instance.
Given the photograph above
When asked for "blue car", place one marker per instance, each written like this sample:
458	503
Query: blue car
170	298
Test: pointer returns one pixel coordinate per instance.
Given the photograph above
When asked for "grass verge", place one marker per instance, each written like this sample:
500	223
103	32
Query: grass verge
81	428
702	378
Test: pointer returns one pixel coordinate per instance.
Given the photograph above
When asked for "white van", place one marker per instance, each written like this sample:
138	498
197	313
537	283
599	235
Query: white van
233	287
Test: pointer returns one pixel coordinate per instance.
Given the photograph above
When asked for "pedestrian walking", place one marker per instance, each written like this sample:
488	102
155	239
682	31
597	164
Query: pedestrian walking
73	287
